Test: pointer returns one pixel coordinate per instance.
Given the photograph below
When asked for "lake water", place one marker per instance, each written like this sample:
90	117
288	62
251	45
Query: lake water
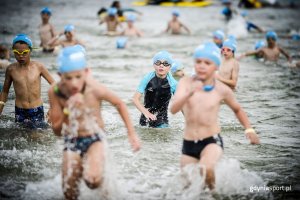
30	163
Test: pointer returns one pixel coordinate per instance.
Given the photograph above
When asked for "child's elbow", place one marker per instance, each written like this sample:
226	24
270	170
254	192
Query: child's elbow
173	110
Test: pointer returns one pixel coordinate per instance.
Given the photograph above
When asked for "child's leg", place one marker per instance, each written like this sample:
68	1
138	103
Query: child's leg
210	155
72	173
185	160
94	164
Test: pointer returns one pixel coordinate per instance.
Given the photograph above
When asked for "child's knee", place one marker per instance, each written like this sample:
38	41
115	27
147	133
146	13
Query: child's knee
93	181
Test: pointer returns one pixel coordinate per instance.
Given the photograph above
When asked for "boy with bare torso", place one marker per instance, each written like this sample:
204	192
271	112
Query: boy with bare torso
175	26
70	40
112	22
77	99
271	52
199	97
229	69
46	30
131	30
26	78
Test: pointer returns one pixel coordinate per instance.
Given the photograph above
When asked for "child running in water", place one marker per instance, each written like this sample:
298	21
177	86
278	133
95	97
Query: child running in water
271	52
46	30
76	100
112	22
157	87
229	69
70	40
25	75
175	26
199	97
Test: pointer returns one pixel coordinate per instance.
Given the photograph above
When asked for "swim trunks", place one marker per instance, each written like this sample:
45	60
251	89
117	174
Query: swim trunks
194	148
32	118
80	144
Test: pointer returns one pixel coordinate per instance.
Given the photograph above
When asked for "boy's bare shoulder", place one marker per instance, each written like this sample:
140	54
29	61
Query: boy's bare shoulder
12	67
186	79
37	64
222	88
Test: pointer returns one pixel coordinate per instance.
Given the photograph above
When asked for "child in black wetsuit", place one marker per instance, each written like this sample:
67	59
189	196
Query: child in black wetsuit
157	87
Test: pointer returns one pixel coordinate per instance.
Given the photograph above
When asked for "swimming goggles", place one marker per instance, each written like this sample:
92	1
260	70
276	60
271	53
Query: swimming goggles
224	49
165	63
25	52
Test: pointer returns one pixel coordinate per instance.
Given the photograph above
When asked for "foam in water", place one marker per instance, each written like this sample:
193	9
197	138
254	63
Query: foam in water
109	187
237	27
231	180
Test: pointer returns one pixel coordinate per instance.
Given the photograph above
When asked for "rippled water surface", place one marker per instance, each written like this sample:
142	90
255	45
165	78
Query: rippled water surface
30	162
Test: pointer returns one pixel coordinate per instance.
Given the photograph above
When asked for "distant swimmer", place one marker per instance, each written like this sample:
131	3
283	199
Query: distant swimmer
25	75
112	22
250	25
76	114
157	87
175	26
199	97
70	39
4	57
131	30
46	30
271	52
229	70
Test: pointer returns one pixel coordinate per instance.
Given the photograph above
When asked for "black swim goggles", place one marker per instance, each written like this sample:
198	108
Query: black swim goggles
165	63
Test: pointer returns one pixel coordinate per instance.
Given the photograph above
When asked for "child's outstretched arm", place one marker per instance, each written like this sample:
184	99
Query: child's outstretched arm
285	53
182	94
250	53
109	96
7	83
242	116
136	100
56	115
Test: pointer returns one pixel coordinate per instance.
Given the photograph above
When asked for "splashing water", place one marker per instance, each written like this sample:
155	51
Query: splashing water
109	187
237	27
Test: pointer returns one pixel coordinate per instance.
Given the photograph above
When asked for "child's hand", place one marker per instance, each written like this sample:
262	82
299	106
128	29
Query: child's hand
150	116
75	100
135	142
252	136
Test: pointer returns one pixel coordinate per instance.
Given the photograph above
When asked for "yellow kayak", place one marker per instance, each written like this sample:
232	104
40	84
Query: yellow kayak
179	4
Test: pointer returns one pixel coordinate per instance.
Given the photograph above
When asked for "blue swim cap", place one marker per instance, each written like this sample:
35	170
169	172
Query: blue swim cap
112	11
24	38
259	44
225	11
271	34
69	28
131	18
163	55
121	43
71	59
176	65
230	43
219	34
46	10
176	13
226	1
209	51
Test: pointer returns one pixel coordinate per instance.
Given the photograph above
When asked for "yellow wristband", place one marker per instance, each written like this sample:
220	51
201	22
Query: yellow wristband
249	130
2	103
66	111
